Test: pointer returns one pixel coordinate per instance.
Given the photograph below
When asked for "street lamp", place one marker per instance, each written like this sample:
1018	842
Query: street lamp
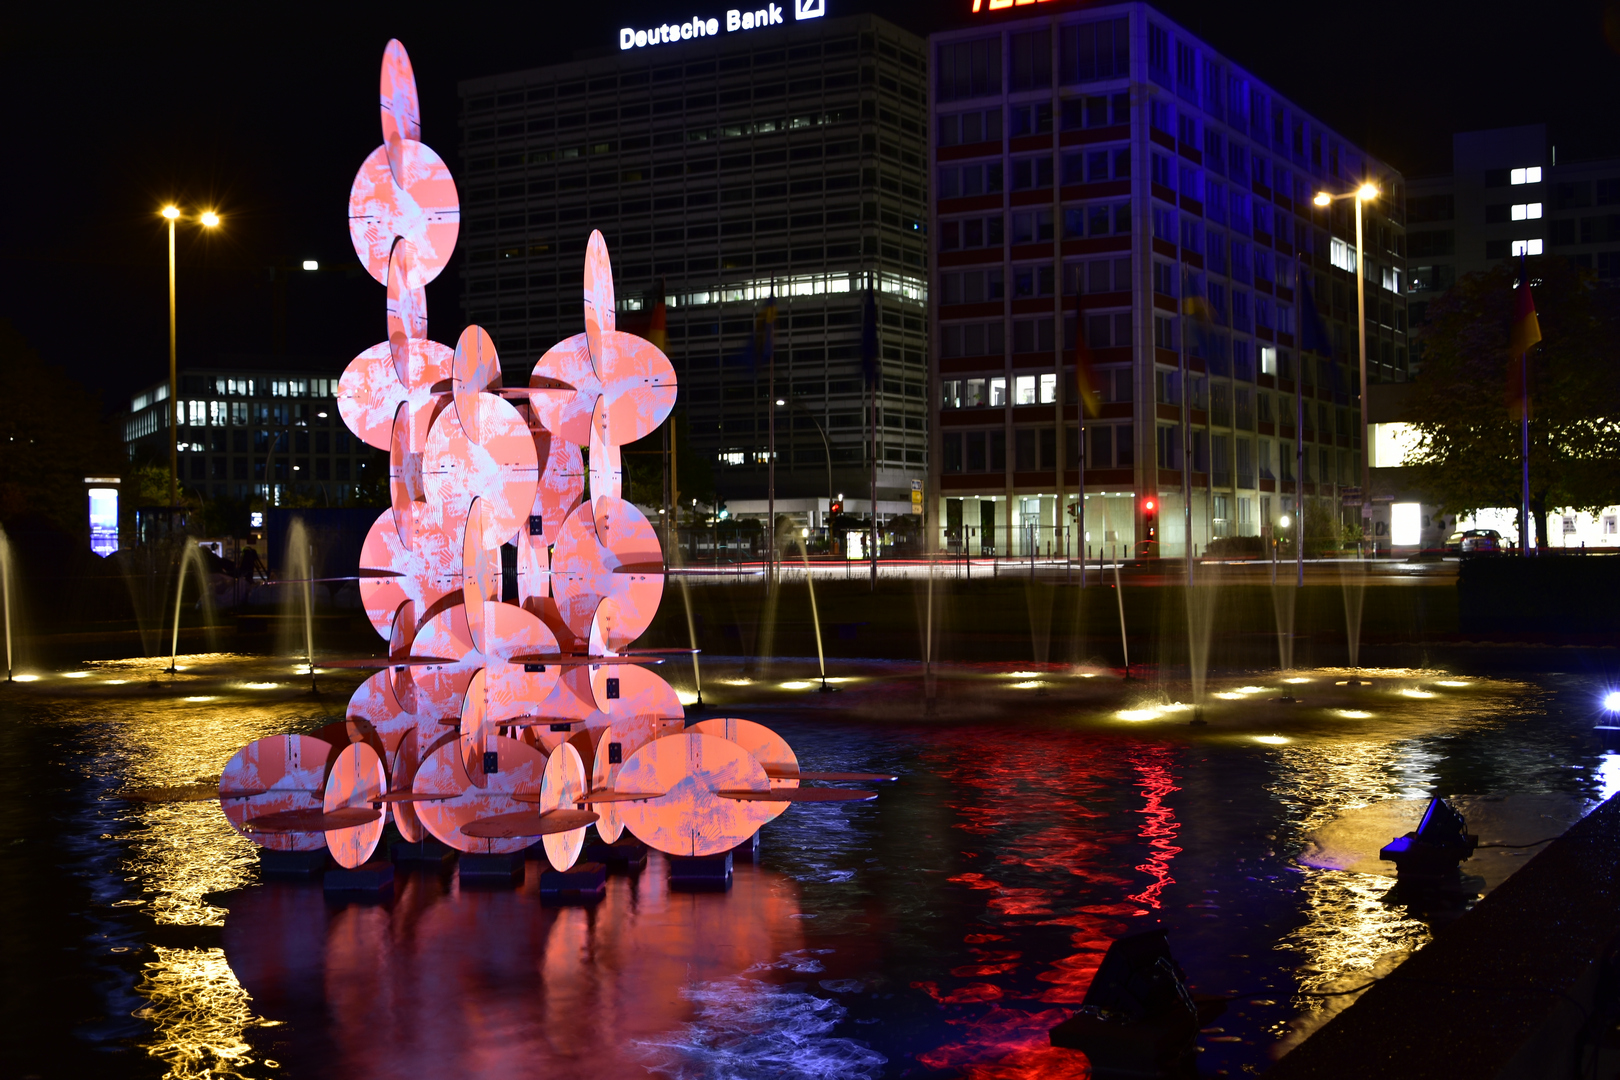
826	448
209	220
1365	193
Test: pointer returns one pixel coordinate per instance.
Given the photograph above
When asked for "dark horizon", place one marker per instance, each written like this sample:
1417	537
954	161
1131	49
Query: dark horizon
267	121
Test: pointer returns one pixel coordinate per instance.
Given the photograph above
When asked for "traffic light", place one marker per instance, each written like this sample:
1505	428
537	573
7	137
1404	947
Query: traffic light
1150	519
836	507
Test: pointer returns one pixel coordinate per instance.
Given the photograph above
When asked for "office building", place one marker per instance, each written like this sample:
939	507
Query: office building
1095	169
1508	190
257	428
733	163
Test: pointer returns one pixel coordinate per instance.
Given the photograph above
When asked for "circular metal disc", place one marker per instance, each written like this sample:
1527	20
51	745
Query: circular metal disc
562	788
356	780
423	209
767	747
442	773
290	773
690	819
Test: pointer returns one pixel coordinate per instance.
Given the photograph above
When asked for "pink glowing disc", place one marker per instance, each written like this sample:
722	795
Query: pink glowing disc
520	770
638	693
282	773
516	688
690	819
495	463
441	687
606	468
405	489
638	384
407	307
562	787
616	745
477	370
401	115
423	209
596	541
767	747
563	390
355	782
600	313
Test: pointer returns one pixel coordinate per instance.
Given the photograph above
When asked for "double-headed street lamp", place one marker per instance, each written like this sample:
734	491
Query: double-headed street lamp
1362	194
208	219
826	448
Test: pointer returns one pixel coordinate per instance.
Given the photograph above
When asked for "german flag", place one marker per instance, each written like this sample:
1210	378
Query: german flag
1526	328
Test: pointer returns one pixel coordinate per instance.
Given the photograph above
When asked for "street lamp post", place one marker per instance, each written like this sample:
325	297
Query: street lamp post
825	446
1364	193
208	219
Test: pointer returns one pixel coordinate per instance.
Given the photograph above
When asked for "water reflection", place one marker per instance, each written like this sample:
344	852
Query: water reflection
201	1014
946	926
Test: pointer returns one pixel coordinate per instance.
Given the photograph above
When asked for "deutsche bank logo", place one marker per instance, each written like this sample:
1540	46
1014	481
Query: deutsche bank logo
809	9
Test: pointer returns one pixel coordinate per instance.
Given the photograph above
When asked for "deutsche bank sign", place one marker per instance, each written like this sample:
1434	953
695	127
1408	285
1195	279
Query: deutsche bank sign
736	19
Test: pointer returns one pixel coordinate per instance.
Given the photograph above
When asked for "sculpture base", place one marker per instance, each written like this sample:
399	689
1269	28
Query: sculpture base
492	870
370	881
705	873
627	854
428	853
584	883
747	851
293	864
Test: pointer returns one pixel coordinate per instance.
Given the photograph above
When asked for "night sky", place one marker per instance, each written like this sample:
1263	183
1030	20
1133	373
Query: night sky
264	112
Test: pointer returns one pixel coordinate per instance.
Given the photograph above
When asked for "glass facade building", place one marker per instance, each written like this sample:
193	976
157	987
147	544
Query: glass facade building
1103	176
260	429
784	160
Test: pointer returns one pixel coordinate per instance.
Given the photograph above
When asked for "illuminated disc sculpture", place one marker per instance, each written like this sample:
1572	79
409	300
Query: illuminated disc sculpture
494	725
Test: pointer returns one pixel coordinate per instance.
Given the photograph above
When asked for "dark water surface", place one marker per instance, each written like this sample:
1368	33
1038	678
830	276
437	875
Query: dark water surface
940	930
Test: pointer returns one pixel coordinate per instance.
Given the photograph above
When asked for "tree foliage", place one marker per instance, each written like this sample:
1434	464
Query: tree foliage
1467	456
52	436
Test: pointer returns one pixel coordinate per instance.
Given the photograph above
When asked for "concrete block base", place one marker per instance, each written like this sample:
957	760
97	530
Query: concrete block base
747	851
373	880
492	870
583	883
625	854
427	854
705	873
293	864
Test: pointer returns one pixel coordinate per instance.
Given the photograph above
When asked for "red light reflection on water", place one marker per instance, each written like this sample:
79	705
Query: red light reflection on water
1160	828
1039	806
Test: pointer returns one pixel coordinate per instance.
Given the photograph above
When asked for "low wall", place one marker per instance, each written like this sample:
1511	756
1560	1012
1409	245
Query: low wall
1504	991
1549	594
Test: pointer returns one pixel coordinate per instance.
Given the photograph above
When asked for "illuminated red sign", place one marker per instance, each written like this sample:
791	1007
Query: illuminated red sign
1002	5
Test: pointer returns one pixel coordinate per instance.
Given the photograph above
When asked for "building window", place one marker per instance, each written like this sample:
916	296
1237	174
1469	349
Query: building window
965	181
1526	247
1526	211
970	127
972	339
1033	335
1094	50
1031	226
1109	331
975	232
1531	175
968	69
971	286
1033	119
1032	172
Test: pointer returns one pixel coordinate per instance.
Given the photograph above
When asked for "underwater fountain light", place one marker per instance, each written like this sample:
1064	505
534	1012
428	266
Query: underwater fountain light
25	678
797	684
1452	682
1138	714
260	685
75	674
1031	685
1414	692
1272	740
1353	714
1297	679
1229	695
203	697
1611	700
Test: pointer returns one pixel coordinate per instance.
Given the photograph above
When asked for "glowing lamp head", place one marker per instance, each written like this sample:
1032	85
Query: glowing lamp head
209	218
1611	701
1366	192
1283	522
171	212
1322	198
311	264
781	401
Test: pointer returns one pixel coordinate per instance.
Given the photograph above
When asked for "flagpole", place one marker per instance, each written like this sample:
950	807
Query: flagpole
1186	445
770	464
1080	410
1524	446
1299	432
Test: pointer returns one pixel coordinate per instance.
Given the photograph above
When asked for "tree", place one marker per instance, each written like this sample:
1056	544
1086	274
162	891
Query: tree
1467	454
52	436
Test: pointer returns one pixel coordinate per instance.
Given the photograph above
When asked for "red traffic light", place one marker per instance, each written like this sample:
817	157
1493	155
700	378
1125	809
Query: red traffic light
1148	505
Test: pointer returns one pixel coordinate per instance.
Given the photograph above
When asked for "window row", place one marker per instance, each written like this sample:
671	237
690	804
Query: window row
1035	226
1094	276
1108	446
1087	52
243	413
